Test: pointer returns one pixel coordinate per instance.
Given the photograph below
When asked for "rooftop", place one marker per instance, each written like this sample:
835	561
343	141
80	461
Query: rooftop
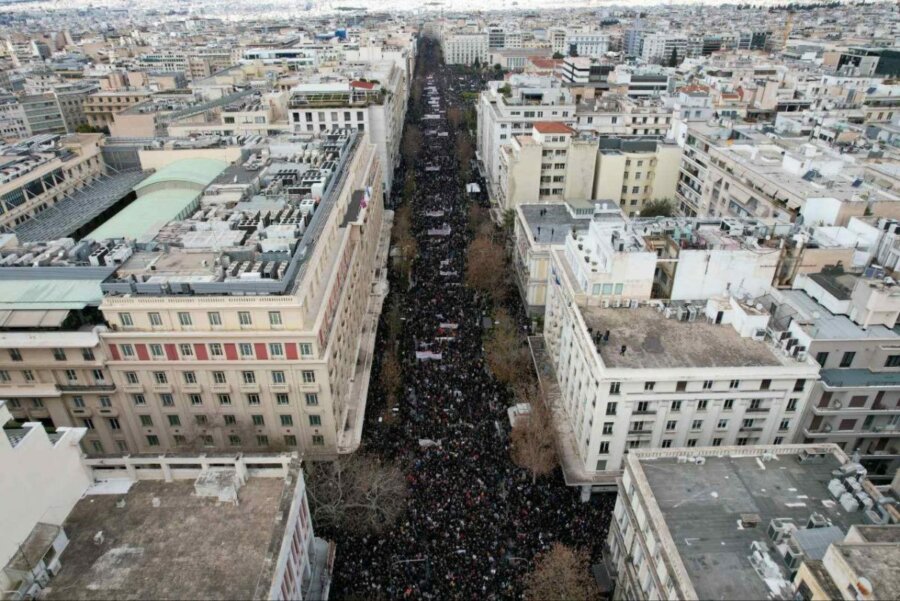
161	541
879	563
551	223
654	342
702	506
553	127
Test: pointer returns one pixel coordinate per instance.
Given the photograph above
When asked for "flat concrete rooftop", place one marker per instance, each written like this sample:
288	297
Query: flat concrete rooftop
702	506
188	547
652	341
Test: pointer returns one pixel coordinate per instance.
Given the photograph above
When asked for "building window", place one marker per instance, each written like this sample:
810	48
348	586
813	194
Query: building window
87	354
167	400
649	385
643	407
160	377
224	399
676	406
156	350
258	420
195	399
765	384
113	424
728	404
315	420
98	375
671	425
139	399
262	440
791	405
286	420
71	375
604	448
4	376
608	427
234	440
716	442
127	350
821	358
707	385
701	405
244	318
722	425
146	420
610	409
186	350
184	319
275	318
201	420
155	319
105	402
59	354
37	403
667	443
282	398
15	355
318	440
692	442
309	376
278	377
734	384
230	420
253	399
125	319
290	440
152	440
680	386
131	377
697	424
276	349
215	319
246	349
784	425
614	387
306	349
892	361
312	399
249	377
174	420
847	359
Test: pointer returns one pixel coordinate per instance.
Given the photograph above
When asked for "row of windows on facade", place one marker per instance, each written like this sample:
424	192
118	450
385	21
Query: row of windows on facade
702	405
245	349
224	398
848	357
634	120
220	377
681	385
667	443
71	375
208	440
185	319
696	425
360	116
174	421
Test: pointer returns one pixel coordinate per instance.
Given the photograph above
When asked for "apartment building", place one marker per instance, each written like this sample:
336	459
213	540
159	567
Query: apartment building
13	121
465	47
696	139
43	114
64	519
100	107
551	164
635	172
507	112
633	374
639	82
593	44
741	522
217	335
621	116
374	102
847	323
38	172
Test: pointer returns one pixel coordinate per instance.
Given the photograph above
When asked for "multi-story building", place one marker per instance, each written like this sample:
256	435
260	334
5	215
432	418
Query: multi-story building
13	120
100	107
635	374
63	521
740	522
847	324
43	114
217	335
640	82
38	172
636	172
661	47
505	112
551	164
465	47
591	44
622	116
374	103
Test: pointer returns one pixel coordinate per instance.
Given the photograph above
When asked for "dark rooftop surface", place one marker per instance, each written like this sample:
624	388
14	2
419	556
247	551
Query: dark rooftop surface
188	547
702	507
838	284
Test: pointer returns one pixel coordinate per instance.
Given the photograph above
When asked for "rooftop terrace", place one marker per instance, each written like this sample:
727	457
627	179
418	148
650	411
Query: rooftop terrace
652	341
161	541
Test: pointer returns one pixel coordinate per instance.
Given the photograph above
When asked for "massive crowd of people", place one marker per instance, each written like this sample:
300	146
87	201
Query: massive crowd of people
473	521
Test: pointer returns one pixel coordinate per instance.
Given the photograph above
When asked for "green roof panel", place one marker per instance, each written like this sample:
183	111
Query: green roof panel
195	171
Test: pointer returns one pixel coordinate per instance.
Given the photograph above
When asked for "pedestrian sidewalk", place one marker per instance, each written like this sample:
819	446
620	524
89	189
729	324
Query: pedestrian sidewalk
355	412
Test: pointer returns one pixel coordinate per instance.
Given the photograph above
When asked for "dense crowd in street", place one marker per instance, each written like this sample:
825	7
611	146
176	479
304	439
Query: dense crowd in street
474	521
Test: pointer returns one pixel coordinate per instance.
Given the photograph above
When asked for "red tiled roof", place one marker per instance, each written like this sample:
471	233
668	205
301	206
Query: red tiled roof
553	127
693	88
366	85
544	63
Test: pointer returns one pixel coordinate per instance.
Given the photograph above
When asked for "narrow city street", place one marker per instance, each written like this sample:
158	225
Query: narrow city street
473	521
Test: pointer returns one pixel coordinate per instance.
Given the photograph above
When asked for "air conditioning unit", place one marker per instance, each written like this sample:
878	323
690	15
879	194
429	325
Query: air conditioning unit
835	404
780	529
793	555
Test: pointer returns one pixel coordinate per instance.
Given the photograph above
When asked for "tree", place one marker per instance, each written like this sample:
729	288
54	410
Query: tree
464	152
486	267
505	351
357	492
404	240
658	208
561	573
411	144
391	380
454	116
558	55
506	90
533	439
673	59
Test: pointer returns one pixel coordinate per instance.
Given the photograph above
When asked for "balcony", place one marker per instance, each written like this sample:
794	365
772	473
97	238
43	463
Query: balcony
108	412
104	386
82	412
640	433
751	428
